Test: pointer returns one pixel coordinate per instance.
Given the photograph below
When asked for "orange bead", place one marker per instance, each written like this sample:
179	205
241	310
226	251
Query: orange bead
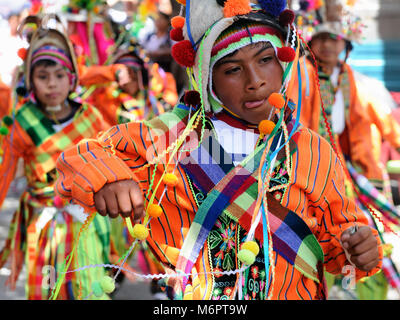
177	22
155	211
170	180
266	126
277	100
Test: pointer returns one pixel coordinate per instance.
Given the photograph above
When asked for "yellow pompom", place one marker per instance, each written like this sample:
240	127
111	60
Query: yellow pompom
266	126
155	211
251	246
140	232
170	180
107	284
277	100
246	256
188	295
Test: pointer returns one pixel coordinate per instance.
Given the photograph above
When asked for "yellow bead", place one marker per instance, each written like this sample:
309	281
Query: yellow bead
266	126
170	180
251	246
140	232
107	284
246	256
155	211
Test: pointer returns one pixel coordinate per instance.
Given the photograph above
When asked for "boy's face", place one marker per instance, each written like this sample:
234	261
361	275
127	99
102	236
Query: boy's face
161	23
51	84
327	48
131	83
244	81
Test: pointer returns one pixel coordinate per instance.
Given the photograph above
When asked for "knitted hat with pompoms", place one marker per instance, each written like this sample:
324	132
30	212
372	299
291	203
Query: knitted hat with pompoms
205	20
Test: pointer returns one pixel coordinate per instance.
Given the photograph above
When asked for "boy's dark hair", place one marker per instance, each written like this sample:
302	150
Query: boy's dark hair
44	63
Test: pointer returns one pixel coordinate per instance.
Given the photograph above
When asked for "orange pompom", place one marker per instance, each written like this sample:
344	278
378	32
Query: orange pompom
183	2
276	100
22	53
170	180
178	22
236	7
155	211
266	126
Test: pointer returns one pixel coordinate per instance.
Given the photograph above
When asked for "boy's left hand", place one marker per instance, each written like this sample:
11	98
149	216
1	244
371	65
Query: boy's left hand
361	248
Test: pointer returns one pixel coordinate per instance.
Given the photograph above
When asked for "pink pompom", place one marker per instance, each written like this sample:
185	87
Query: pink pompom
286	54
183	53
58	202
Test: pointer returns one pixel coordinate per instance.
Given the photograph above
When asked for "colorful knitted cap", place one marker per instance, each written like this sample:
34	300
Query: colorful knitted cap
52	53
130	61
54	45
203	35
239	35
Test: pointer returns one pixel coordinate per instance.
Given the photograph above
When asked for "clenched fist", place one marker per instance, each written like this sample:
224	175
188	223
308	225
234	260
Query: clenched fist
361	248
120	197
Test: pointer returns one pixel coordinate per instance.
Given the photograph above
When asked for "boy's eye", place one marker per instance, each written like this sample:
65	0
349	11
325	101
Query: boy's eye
266	59
232	70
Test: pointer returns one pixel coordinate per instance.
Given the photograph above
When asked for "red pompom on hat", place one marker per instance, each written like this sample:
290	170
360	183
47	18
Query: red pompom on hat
176	34
183	53
286	54
286	17
22	53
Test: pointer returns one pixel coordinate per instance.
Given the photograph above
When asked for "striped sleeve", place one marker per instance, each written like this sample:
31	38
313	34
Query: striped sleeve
86	167
13	145
95	75
336	213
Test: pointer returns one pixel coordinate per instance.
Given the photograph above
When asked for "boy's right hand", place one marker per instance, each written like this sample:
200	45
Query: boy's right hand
120	197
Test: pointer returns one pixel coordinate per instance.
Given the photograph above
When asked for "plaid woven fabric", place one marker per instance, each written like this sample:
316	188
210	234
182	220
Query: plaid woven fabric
50	144
234	191
391	273
373	196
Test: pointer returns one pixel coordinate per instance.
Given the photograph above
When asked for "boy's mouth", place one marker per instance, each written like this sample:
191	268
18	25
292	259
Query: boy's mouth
254	104
53	95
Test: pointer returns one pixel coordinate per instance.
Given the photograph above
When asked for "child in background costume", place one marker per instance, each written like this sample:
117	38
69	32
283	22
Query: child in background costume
258	218
43	228
5	99
126	90
329	28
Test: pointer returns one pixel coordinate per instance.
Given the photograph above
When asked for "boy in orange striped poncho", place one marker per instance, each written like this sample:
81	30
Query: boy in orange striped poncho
128	89
235	198
342	104
43	228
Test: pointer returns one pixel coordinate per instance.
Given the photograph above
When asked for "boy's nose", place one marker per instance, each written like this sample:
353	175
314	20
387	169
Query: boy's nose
255	79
